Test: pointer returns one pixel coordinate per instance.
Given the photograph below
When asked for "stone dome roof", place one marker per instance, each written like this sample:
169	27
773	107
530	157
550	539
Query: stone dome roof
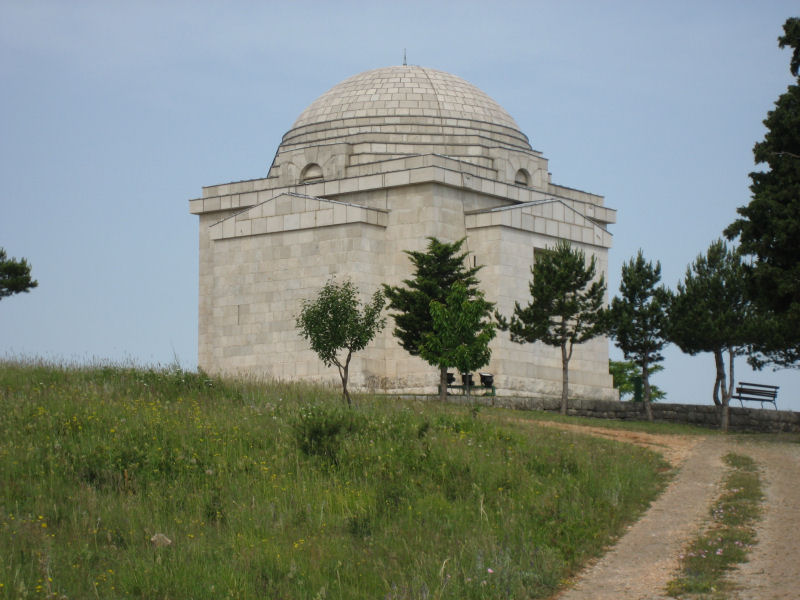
405	90
406	110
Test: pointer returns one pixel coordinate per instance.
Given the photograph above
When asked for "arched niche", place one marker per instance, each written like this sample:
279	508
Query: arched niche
311	173
522	178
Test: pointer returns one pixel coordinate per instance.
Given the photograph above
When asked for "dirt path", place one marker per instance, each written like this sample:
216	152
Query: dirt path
773	572
646	557
675	448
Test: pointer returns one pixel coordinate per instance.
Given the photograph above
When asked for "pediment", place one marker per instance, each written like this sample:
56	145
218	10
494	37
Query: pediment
551	217
290	211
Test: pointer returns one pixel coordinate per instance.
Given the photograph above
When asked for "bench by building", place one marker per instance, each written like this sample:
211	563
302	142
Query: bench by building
756	392
467	383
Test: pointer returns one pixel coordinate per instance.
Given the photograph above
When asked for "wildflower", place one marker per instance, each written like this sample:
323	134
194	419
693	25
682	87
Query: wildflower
490	570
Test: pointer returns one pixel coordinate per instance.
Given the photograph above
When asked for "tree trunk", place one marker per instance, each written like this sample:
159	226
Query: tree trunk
442	384
727	392
725	417
731	378
648	409
719	361
564	379
343	371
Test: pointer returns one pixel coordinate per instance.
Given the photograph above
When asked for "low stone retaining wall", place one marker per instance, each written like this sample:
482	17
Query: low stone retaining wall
754	420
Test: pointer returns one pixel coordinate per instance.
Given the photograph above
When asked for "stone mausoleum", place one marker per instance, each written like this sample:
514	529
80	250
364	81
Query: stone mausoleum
371	168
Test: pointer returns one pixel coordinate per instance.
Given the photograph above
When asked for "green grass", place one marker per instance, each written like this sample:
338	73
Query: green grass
728	539
278	491
613	424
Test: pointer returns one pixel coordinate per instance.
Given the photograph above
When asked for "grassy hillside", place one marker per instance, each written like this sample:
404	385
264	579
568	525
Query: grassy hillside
277	491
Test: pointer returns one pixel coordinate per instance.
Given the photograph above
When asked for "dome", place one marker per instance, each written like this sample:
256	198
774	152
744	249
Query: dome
406	110
405	90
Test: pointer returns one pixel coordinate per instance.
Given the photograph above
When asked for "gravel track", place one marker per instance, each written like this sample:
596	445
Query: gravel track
645	558
773	571
639	566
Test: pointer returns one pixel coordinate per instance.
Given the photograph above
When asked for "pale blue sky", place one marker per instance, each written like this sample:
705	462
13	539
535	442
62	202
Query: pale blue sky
114	114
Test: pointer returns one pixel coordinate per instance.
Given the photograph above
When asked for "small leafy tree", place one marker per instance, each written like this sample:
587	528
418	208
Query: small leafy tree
769	226
711	313
436	271
638	319
461	333
626	372
335	322
15	276
566	306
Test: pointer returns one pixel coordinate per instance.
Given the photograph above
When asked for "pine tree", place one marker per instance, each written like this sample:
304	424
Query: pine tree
769	227
711	313
638	319
15	276
566	306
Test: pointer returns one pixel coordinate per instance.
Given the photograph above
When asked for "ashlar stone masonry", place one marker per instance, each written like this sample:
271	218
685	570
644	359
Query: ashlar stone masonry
371	168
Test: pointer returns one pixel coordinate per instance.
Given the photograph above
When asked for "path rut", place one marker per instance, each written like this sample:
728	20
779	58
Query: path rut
773	571
646	557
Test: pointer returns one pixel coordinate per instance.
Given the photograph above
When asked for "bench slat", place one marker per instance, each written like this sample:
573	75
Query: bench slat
758	385
757	393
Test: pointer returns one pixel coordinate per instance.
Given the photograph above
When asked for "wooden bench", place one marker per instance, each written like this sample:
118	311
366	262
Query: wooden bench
756	392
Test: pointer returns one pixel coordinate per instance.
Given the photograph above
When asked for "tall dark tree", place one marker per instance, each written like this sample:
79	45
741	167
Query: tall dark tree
15	276
769	226
436	270
638	318
566	306
711	313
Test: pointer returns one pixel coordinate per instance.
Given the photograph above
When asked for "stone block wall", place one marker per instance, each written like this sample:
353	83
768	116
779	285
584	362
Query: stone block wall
507	253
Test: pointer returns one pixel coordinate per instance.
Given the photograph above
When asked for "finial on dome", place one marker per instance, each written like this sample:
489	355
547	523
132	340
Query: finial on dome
405	64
